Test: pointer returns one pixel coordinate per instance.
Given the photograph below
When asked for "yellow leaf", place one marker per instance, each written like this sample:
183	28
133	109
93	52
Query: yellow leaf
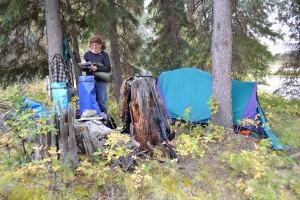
248	191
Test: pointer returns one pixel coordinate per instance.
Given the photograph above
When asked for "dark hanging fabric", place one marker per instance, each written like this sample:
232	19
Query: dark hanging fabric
59	71
66	52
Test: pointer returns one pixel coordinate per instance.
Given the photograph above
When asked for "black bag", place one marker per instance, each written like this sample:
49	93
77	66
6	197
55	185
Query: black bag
103	76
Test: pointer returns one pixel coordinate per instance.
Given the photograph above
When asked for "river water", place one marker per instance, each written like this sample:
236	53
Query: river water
272	84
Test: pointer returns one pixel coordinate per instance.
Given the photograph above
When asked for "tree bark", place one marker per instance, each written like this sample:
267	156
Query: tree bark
221	62
72	145
115	54
74	50
63	139
54	30
143	111
67	140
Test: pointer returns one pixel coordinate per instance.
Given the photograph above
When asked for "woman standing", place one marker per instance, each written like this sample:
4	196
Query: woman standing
101	63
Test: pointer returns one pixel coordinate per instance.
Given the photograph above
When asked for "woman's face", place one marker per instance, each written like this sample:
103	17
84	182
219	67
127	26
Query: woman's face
96	48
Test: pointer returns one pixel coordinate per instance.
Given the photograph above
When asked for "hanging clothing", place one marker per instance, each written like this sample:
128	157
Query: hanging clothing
59	71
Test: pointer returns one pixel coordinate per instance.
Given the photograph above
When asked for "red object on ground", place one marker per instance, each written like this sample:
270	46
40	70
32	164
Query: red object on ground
245	132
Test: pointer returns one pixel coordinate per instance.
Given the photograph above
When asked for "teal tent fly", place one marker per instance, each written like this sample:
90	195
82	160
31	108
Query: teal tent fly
191	88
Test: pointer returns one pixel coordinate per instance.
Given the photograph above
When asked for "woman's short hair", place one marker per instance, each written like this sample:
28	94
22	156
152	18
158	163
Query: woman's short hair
98	39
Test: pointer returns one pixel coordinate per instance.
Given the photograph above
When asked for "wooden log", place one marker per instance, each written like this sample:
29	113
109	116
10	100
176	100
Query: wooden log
94	134
44	145
40	146
67	138
87	140
63	139
36	148
72	147
53	135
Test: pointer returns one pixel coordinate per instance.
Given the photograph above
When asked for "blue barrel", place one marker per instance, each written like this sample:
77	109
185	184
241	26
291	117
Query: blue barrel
87	94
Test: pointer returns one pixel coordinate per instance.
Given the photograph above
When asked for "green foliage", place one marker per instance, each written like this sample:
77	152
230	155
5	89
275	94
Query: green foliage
195	144
279	104
279	182
75	102
283	117
23	49
47	167
36	179
290	70
214	105
117	149
249	122
24	126
189	146
251	163
35	91
113	108
182	36
210	166
30	91
98	171
244	67
187	113
289	135
169	49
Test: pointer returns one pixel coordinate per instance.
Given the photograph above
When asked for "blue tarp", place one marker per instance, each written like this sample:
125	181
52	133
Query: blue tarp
39	108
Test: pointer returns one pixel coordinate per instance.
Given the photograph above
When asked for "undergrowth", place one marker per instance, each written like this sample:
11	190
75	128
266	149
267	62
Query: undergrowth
213	163
284	117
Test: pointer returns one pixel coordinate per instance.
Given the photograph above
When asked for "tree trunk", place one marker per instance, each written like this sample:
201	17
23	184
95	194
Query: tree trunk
75	56
54	31
115	54
74	50
221	62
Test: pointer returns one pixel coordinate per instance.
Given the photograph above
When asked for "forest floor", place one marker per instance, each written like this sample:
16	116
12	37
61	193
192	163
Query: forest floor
213	164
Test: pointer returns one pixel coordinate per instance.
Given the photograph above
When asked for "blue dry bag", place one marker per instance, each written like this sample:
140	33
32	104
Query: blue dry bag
60	94
87	94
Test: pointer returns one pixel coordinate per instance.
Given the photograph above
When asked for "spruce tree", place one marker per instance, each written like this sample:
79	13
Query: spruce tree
290	15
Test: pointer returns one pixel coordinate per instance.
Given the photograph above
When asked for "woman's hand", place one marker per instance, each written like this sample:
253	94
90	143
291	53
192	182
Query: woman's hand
93	68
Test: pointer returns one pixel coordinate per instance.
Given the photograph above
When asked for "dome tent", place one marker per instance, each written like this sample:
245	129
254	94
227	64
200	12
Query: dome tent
189	87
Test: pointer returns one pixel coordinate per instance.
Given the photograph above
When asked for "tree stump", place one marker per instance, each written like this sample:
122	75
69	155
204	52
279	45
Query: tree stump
86	137
92	135
142	103
66	138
